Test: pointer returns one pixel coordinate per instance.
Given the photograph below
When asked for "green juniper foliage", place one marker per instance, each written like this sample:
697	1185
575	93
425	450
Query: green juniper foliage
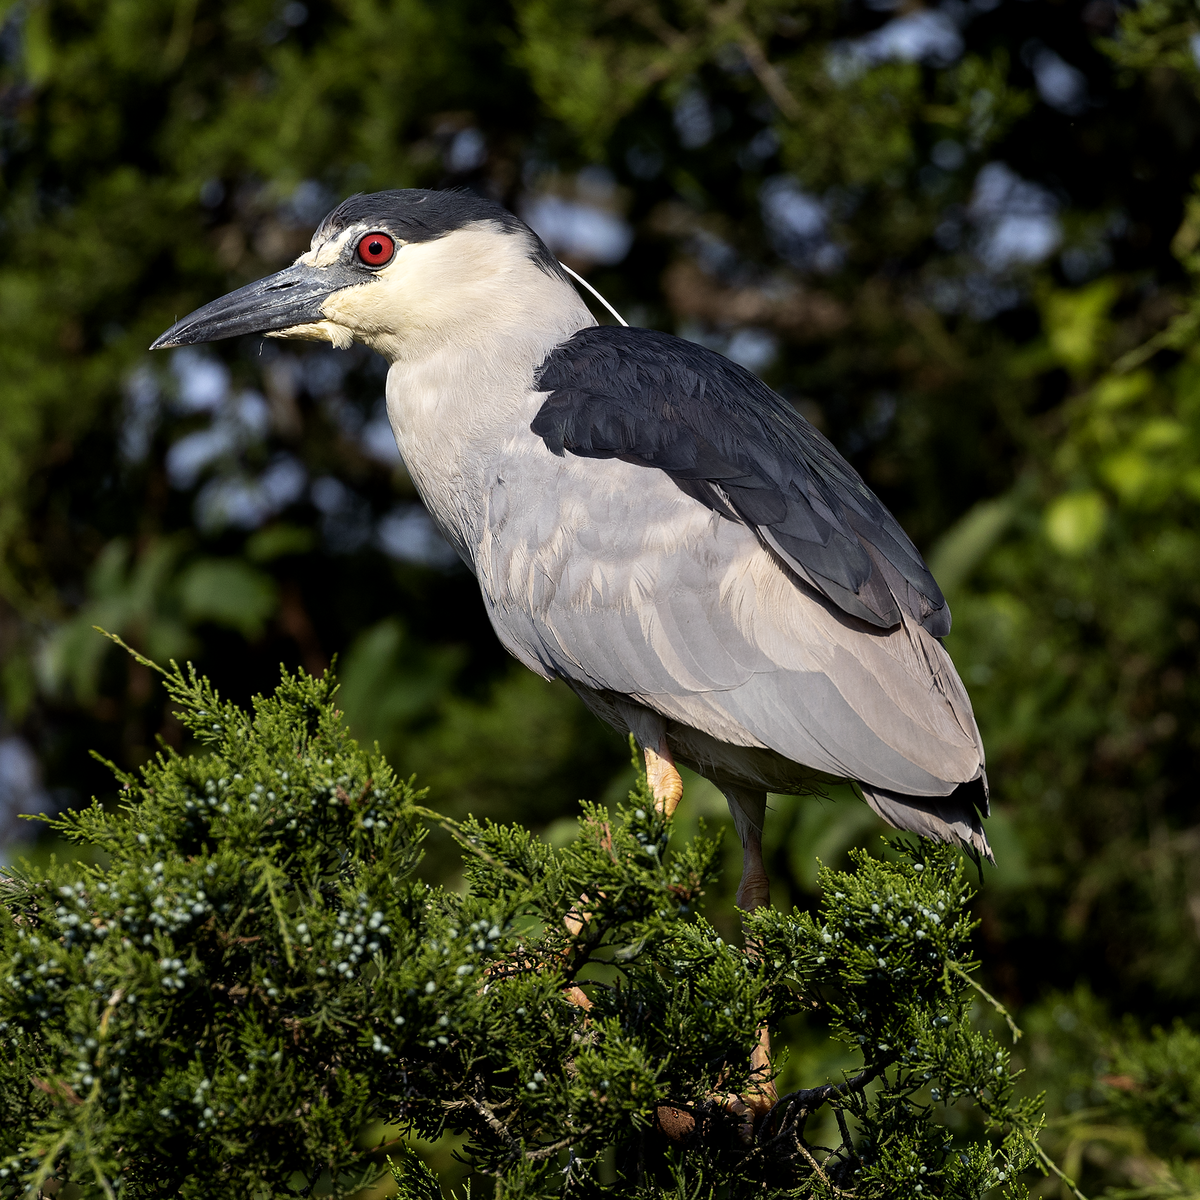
1154	1087
199	1010
1131	1101
254	975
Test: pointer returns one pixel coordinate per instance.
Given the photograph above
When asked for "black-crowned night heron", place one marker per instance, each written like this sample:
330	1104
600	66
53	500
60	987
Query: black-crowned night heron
647	520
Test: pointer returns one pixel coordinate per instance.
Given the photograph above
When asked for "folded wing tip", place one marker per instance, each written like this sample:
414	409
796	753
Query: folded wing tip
954	818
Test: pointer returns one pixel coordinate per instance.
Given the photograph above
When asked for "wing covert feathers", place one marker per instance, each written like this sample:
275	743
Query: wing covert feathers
730	442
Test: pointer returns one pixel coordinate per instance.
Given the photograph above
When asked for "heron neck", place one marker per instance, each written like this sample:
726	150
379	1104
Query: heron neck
456	404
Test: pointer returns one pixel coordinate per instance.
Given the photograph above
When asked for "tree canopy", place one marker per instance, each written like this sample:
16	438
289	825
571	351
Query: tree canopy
963	239
254	976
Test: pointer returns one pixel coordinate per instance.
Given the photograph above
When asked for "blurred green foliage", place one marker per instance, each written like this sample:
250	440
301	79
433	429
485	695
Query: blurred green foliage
964	239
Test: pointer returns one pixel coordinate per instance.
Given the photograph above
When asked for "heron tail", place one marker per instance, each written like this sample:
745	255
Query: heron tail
952	818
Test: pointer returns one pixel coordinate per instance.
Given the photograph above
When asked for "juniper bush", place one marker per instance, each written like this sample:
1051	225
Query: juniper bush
250	972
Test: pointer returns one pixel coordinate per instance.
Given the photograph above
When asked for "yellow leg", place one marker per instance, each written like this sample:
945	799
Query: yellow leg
753	892
666	785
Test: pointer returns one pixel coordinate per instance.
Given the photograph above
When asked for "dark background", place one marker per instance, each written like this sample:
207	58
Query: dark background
962	239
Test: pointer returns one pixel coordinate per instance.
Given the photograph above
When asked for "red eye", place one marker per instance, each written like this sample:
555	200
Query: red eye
376	249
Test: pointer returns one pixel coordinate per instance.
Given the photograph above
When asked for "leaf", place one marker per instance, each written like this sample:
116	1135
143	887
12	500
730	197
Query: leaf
228	592
1077	323
962	547
1074	522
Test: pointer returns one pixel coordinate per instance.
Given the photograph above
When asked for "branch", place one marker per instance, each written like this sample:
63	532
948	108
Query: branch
1177	332
768	75
798	1106
810	1099
101	1178
502	1132
494	1123
847	1140
140	658
562	1144
812	1162
653	21
267	882
764	70
1048	1162
1012	1025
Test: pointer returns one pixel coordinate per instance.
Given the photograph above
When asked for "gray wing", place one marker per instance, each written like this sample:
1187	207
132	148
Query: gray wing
726	439
609	575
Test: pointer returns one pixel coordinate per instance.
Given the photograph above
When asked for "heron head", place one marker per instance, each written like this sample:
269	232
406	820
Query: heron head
395	270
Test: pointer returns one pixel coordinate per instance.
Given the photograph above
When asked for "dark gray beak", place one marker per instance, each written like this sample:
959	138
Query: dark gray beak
290	297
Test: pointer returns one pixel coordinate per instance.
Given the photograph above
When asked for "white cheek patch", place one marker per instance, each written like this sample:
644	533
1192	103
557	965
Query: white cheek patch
370	309
321	331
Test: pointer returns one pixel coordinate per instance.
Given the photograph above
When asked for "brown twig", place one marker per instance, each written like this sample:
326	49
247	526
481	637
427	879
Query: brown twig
56	1089
816	1166
561	1144
494	1123
768	75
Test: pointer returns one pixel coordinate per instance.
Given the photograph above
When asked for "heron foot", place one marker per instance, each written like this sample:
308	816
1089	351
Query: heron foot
578	917
761	1096
577	996
666	784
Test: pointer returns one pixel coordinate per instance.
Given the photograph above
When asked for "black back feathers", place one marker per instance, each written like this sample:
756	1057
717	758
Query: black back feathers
729	441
